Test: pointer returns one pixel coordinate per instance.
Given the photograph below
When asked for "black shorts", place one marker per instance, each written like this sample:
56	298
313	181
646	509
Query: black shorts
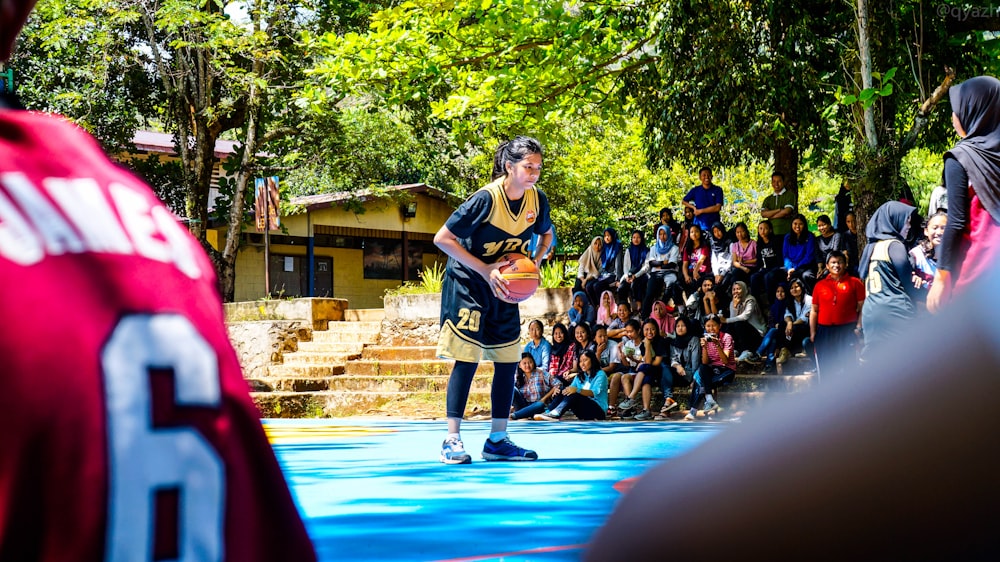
476	325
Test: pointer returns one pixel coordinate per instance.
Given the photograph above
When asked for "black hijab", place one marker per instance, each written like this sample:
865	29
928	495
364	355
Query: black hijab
892	221
720	245
976	102
559	349
681	342
637	254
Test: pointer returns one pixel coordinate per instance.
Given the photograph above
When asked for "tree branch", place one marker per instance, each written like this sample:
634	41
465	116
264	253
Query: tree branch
925	109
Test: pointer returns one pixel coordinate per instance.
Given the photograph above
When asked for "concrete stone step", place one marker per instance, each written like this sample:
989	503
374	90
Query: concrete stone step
358	336
338	403
342	404
363	383
364	314
399	352
407	367
354	327
349	348
318	358
304	370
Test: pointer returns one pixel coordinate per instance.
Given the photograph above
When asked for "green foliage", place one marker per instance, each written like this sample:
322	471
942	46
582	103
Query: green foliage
554	275
489	67
431	279
596	177
378	148
922	170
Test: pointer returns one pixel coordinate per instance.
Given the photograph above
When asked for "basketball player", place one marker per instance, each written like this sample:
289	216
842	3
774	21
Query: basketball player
127	431
475	323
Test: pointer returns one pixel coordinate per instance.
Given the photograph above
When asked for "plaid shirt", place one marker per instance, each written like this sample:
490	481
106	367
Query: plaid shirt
537	384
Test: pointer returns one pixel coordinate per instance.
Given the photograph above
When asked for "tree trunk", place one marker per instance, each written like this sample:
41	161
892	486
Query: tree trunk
865	53
786	161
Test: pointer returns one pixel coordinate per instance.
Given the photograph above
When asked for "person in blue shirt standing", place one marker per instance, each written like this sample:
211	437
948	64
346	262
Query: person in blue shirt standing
705	200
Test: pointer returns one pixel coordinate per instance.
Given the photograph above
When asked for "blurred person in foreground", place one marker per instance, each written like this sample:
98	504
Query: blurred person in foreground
970	245
852	470
128	430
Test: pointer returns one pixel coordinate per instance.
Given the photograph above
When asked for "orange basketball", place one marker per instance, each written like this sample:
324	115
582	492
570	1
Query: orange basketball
522	275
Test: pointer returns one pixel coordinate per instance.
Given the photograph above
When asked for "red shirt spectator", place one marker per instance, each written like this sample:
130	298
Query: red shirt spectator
839	300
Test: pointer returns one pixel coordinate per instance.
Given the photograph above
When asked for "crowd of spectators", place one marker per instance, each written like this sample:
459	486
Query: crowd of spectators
704	301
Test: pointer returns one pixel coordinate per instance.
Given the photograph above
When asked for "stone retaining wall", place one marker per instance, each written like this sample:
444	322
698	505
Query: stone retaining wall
314	310
263	342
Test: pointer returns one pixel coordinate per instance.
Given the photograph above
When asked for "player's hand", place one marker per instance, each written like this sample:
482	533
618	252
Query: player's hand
498	285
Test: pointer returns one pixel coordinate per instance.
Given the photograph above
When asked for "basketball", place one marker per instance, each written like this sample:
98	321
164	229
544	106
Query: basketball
522	275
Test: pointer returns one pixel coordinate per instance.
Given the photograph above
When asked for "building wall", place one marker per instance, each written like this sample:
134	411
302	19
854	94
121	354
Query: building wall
348	264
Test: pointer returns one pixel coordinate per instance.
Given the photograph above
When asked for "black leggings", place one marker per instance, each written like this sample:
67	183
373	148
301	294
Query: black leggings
501	393
584	407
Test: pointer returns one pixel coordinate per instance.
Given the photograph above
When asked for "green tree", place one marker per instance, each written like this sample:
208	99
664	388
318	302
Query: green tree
719	82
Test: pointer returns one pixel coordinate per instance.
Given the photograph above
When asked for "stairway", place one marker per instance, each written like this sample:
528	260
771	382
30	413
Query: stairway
345	371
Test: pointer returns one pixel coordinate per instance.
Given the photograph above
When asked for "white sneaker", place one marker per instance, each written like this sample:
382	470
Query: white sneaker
745	357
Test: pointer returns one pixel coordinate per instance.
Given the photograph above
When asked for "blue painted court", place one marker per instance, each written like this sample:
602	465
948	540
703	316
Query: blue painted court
374	490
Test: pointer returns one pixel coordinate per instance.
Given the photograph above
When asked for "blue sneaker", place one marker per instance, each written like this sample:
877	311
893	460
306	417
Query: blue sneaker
453	452
506	450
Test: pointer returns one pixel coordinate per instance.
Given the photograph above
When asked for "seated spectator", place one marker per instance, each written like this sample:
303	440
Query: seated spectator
661	266
745	323
663	318
587	397
684	234
722	259
632	285
583	340
827	241
718	368
648	373
581	311
606	308
607	351
563	352
850	237
796	322
696	259
799	251
616	329
766	351
630	351
770	263
539	347
667	219
685	359
703	302
612	261
588	270
534	389
744	252
923	255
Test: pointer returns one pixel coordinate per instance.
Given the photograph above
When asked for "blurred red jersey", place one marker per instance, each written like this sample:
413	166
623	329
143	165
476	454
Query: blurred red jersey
126	428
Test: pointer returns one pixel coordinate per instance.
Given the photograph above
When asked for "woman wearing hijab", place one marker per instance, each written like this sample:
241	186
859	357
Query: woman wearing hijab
971	241
746	322
632	286
887	273
722	257
612	262
661	265
589	269
685	360
606	309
